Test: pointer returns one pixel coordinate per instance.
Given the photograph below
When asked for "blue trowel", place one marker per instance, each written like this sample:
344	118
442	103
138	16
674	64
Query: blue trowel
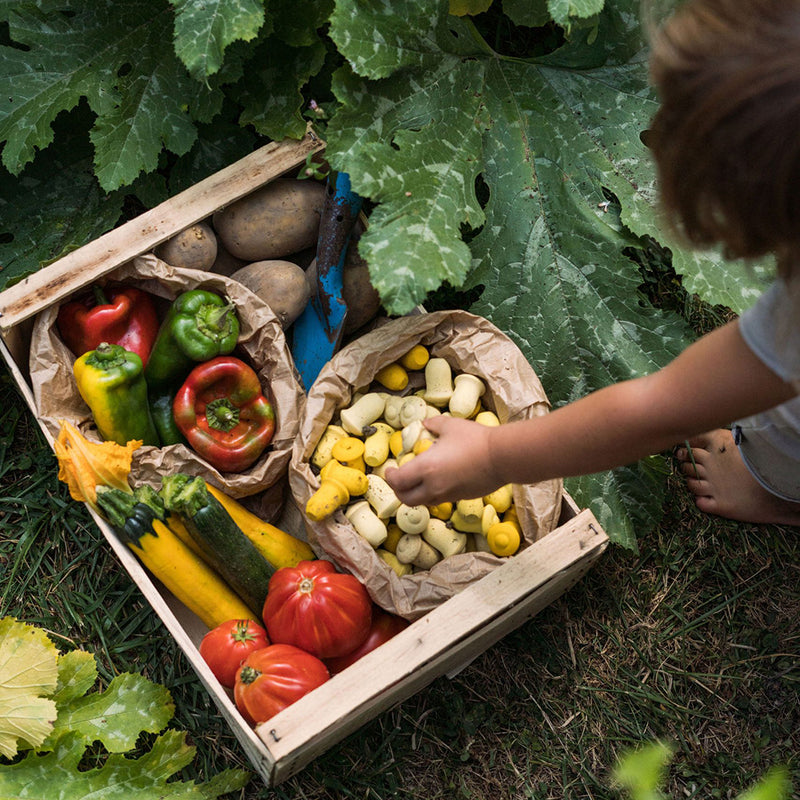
317	332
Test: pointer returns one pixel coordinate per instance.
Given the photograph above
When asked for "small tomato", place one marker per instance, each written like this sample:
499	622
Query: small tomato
384	626
317	609
225	647
274	677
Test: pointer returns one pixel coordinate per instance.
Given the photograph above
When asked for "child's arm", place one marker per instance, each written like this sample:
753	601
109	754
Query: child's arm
714	381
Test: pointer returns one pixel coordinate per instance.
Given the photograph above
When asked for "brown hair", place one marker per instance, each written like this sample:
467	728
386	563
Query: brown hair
726	137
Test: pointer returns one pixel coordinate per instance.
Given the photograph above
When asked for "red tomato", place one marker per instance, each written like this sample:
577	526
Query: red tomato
318	609
274	677
384	626
226	646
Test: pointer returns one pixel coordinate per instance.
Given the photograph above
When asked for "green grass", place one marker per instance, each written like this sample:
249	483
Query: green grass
696	640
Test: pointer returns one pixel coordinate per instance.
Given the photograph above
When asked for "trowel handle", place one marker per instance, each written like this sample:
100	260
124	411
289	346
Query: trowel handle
339	214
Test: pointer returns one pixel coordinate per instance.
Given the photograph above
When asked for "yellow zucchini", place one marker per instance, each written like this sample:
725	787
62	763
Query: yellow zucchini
186	575
189	578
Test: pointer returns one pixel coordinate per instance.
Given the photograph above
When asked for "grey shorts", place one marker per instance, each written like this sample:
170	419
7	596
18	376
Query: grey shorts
769	450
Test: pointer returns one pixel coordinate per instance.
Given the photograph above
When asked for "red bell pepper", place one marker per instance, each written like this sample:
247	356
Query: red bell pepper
222	412
120	315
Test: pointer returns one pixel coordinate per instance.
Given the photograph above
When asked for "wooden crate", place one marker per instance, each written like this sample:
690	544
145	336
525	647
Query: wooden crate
440	643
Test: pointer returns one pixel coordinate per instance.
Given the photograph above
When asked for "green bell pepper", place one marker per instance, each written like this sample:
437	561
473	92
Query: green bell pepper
199	326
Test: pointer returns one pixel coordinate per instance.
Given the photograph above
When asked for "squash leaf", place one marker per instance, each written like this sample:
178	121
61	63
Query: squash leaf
203	30
55	775
567	186
28	676
77	672
131	704
120	58
38	686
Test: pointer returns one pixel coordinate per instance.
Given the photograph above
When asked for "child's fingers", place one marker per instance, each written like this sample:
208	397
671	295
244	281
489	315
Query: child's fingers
408	486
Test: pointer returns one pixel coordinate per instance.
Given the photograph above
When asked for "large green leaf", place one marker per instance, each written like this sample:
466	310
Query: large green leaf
55	775
558	143
117	715
55	205
120	57
203	30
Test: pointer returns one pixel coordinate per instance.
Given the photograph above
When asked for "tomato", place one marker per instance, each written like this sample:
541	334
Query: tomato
318	609
272	678
226	646
384	626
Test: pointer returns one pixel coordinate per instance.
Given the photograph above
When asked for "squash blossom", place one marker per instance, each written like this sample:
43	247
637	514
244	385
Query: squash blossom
85	465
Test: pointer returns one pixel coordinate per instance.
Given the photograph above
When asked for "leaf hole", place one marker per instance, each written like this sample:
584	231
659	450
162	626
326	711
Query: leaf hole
124	70
6	238
482	191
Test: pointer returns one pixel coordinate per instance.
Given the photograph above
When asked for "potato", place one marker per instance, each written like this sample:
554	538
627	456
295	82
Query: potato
282	285
193	248
362	300
275	221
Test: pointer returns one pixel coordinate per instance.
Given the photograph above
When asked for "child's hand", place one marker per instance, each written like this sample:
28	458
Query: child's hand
457	465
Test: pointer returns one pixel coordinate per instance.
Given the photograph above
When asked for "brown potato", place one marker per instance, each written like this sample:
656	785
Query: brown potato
275	221
282	285
193	248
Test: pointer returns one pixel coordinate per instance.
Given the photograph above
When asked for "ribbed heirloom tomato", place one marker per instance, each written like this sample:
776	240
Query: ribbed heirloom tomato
272	678
314	607
225	647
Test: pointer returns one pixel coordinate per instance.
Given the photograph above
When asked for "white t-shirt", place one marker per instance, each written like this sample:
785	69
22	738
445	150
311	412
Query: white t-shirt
769	442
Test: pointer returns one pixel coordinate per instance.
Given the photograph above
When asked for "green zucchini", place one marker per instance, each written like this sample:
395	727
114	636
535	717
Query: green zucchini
227	548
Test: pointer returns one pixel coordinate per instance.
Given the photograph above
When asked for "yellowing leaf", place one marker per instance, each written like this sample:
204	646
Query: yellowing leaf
85	465
28	674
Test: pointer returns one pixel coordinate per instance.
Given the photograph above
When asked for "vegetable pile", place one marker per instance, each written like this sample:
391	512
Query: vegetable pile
383	427
170	382
275	614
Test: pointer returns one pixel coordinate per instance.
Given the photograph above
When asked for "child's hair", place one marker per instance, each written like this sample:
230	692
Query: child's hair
726	138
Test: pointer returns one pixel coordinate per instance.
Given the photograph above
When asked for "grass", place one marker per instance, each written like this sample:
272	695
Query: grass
696	640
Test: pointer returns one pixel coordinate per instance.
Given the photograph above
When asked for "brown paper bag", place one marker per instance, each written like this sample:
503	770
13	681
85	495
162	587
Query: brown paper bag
262	342
470	344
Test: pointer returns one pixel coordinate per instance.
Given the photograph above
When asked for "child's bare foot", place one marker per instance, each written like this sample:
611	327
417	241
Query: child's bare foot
722	484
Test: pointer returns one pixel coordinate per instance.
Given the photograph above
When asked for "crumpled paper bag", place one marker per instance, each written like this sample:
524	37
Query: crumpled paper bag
470	344
263	344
